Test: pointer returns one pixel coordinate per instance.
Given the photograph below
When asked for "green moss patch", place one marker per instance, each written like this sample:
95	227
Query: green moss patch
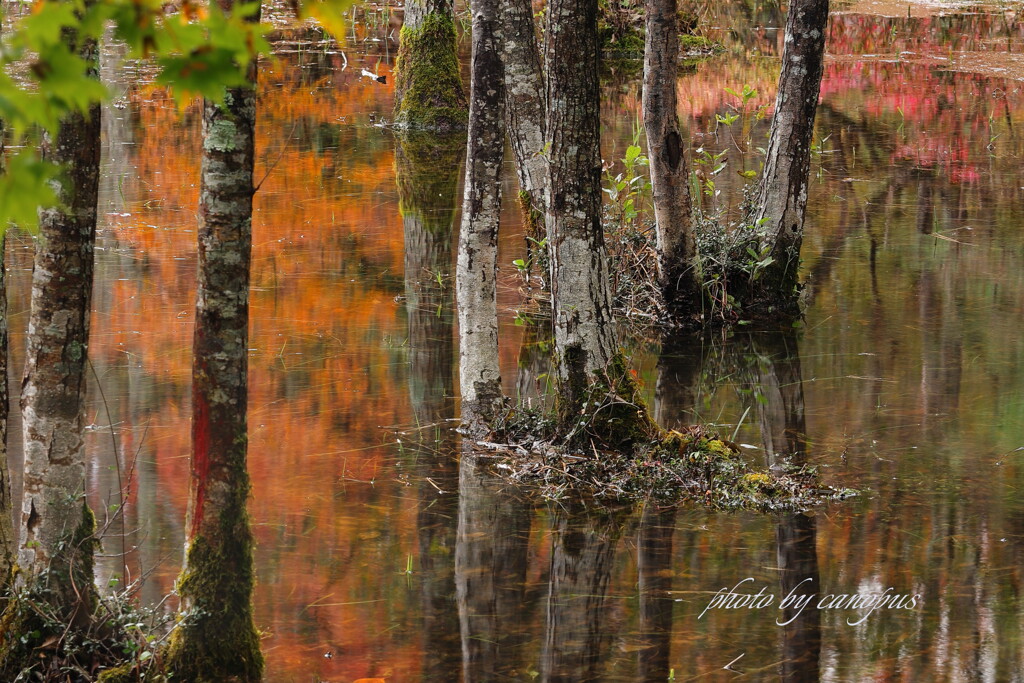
615	452
429	90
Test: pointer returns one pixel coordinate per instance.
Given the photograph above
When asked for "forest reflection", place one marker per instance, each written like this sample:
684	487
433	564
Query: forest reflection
375	545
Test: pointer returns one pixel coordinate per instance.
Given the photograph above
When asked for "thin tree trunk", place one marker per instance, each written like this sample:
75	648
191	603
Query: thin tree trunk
654	586
428	88
581	300
525	111
782	192
216	638
479	375
677	249
57	525
8	541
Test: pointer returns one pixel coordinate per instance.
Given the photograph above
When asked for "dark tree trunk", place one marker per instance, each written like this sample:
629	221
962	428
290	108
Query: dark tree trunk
525	111
783	433
479	374
490	573
428	89
797	538
677	248
57	525
8	541
581	300
216	638
578	629
654	584
427	174
782	192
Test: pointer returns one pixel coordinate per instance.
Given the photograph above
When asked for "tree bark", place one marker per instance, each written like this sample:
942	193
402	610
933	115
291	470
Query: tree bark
491	560
577	629
8	541
428	88
479	374
525	111
216	639
654	585
581	300
426	172
782	192
677	247
57	525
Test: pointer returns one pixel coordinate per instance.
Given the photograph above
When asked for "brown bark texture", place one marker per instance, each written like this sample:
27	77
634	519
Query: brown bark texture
479	375
56	543
677	248
216	639
525	109
782	192
581	298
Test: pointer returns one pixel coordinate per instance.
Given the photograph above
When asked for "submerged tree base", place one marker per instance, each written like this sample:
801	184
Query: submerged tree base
616	452
694	466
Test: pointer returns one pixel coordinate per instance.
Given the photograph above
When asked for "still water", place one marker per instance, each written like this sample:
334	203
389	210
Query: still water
380	557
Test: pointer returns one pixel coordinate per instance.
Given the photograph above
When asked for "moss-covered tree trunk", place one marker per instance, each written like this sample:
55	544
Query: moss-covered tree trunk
427	174
524	111
428	89
56	548
782	193
581	299
479	374
216	638
677	250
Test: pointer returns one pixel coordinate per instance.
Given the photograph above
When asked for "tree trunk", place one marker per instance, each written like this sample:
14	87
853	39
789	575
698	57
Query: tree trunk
427	175
677	249
491	560
581	300
479	375
654	586
216	639
524	111
57	525
428	88
8	541
782	192
578	630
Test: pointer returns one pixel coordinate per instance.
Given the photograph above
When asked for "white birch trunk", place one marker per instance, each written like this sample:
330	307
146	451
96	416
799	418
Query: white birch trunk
479	376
